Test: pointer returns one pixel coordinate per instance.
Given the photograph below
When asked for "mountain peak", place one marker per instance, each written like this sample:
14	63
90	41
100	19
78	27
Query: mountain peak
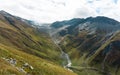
4	13
102	19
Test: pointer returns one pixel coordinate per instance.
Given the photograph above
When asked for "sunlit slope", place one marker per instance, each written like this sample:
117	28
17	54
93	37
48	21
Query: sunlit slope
17	33
26	50
40	66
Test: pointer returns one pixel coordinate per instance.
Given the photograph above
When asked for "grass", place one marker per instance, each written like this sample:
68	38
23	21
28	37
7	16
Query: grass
41	66
26	44
88	49
29	40
7	69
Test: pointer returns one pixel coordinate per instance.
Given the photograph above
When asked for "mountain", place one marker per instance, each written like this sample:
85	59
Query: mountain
85	46
93	44
27	50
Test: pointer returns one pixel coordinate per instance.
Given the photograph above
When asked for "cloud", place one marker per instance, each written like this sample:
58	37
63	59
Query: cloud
115	1
84	12
53	10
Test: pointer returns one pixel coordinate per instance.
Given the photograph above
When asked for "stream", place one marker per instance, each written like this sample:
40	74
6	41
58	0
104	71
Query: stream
65	57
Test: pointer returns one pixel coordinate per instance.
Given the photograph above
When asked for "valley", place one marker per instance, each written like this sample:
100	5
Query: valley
80	46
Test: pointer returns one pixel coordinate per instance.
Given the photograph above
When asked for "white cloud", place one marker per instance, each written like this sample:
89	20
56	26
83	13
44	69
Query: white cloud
53	10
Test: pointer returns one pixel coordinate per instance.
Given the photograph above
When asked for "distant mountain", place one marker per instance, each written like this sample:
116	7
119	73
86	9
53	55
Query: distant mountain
26	49
59	24
92	43
90	23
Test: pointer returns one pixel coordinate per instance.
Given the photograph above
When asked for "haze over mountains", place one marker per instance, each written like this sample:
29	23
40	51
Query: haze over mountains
78	46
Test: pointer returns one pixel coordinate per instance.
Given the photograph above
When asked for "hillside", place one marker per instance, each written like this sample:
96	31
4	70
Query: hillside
92	44
86	46
26	50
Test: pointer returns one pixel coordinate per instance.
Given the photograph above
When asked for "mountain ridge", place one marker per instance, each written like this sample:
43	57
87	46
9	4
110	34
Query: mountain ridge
26	50
88	43
91	46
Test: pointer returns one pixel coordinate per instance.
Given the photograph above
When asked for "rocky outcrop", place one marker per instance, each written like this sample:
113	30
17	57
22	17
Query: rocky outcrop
22	68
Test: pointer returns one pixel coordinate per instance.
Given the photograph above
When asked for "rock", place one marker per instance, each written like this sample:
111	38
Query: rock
26	65
21	70
31	68
12	61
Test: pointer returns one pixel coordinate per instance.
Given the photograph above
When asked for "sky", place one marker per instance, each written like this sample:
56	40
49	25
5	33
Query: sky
48	11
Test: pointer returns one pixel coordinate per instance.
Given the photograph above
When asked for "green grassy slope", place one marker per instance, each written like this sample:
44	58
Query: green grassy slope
41	66
87	51
25	44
